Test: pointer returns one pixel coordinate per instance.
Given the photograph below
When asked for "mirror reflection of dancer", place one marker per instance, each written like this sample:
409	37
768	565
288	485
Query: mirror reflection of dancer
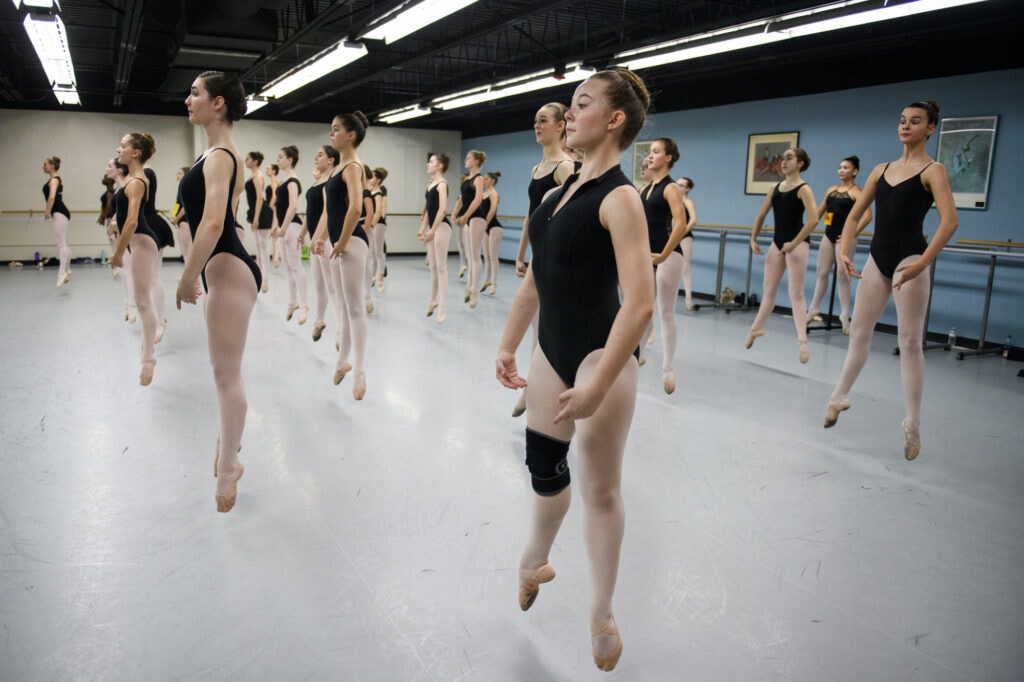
435	231
686	243
587	238
468	213
379	194
343	205
903	190
58	213
289	228
324	163
134	150
210	192
665	216
839	199
494	232
259	215
555	166
789	200
118	173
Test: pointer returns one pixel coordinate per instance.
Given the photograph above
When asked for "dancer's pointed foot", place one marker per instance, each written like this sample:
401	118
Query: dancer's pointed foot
529	583
805	352
815	315
430	309
833	410
486	284
462	272
369	306
318	330
380	285
291	311
227	488
339	374
303	314
754	333
607	644
160	329
493	289
911	442
146	375
442	316
520	406
359	386
669	381
132	314
846	325
266	286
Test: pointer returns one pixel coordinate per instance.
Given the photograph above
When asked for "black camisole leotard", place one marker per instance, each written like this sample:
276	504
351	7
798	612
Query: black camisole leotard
281	205
468	193
266	220
193	198
899	221
659	215
58	198
157	225
314	207
336	206
434	205
485	206
575	272
121	212
538	188
379	196
788	212
837	209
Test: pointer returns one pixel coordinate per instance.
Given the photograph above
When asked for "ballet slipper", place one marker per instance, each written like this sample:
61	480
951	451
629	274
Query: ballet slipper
380	285
369	306
160	329
815	316
339	374
472	300
911	442
216	456
132	314
833	410
266	286
441	317
669	381
462	272
641	361
318	330
146	375
690	306
754	333
359	387
493	290
465	299
805	352
303	314
520	406
291	311
609	661
430	309
530	581
486	284
226	501
846	325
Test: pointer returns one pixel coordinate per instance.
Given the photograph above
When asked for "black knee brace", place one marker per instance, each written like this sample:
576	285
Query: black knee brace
546	460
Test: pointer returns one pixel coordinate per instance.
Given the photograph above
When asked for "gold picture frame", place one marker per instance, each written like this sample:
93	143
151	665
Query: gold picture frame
764	156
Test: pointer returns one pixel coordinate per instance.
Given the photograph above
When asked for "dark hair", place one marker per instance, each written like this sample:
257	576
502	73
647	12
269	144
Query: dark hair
332	153
481	157
930	106
559	110
689	182
54	161
802	157
626	91
219	84
276	168
357	123
442	159
108	181
257	157
144	143
292	152
494	175
854	161
380	173
122	168
670	148
185	169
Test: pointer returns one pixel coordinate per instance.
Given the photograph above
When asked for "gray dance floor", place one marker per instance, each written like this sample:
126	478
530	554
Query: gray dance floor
379	540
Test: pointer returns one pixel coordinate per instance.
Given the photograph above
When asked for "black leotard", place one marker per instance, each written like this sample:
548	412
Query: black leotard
58	199
282	202
575	272
157	225
314	207
899	221
193	198
485	205
266	215
539	187
659	215
337	206
837	209
121	211
788	212
379	196
434	205
468	193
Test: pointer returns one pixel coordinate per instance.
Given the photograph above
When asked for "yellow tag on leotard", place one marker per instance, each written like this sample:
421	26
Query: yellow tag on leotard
828	218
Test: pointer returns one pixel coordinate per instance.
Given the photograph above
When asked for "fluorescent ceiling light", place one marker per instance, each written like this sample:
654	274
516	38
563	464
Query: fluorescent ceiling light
776	29
50	40
403	114
41	4
331	59
254	103
514	86
407	19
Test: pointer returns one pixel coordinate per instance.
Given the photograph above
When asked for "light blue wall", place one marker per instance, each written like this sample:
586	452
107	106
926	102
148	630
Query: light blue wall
832	125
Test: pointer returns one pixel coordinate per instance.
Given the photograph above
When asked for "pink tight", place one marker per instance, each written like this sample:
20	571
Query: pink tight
873	294
229	303
476	229
666	293
491	255
826	258
184	238
437	252
323	283
293	260
775	265
461	242
145	270
60	230
687	246
377	245
263	253
158	288
348	271
601	444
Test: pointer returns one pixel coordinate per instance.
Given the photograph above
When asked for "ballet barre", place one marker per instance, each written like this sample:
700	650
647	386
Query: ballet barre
992	256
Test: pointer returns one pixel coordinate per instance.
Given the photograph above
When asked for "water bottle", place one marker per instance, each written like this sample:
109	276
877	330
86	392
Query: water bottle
103	257
1007	345
951	341
38	264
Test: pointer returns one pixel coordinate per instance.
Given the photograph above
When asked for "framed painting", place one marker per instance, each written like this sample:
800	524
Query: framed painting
640	152
966	147
764	159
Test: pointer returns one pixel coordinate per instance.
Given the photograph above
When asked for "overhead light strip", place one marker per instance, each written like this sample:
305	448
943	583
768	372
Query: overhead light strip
254	103
515	86
409	18
333	58
404	114
50	40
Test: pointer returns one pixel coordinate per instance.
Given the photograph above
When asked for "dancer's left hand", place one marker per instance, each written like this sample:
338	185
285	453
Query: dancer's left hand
339	249
187	293
905	274
505	370
579	402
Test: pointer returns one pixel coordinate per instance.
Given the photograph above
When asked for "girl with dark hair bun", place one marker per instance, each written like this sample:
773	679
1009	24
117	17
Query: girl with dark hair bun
494	231
289	231
467	213
903	190
789	201
589	241
324	163
834	209
118	174
58	213
271	200
686	186
164	238
259	215
209	193
435	231
379	195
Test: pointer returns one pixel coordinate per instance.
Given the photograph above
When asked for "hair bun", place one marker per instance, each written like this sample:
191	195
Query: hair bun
362	118
642	93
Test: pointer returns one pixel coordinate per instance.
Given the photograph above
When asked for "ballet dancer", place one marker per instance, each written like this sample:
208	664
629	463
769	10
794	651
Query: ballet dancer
903	190
788	201
164	238
468	214
839	200
435	232
686	243
324	163
666	224
180	220
271	200
343	204
259	215
366	221
588	241
289	229
494	232
210	192
380	224
117	172
134	150
555	166
58	213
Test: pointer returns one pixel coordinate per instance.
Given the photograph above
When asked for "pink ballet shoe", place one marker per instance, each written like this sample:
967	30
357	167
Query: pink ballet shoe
520	406
606	662
303	314
530	581
805	352
359	386
160	329
441	317
911	442
430	309
833	410
339	374
291	311
754	334
146	375
318	330
226	501
369	306
669	381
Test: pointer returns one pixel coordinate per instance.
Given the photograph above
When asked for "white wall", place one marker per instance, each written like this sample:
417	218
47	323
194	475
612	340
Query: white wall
85	142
